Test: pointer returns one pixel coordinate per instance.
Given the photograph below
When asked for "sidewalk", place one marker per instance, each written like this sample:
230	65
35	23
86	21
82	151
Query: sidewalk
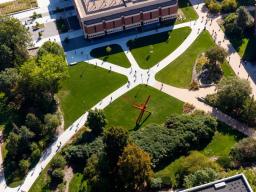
235	60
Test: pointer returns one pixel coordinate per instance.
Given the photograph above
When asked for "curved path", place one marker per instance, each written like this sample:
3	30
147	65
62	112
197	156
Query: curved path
136	76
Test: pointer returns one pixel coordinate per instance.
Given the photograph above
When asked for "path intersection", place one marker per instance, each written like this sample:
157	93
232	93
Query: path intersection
137	76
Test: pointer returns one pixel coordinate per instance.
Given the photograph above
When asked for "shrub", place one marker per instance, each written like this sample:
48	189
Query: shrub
194	85
200	177
78	154
57	176
179	135
244	151
188	108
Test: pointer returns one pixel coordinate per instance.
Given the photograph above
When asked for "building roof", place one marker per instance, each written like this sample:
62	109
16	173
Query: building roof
93	11
237	183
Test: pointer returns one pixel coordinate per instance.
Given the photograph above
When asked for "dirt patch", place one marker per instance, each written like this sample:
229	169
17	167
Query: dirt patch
68	176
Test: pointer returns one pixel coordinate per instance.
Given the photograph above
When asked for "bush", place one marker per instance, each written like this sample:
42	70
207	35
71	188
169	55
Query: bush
58	162
188	108
78	154
200	177
179	135
188	165
156	183
57	176
244	151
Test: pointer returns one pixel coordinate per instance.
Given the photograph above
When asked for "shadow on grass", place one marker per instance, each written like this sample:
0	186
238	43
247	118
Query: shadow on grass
149	40
227	130
101	52
249	51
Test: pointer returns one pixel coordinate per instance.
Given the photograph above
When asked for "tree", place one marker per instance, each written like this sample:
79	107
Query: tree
24	166
13	42
244	151
96	121
200	177
51	123
216	54
228	5
214	6
108	49
45	74
134	169
115	140
232	94
12	144
93	173
9	79
33	123
231	28
36	152
244	19
57	176
58	162
52	48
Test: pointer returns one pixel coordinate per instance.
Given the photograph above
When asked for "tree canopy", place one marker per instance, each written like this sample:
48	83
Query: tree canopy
134	169
96	121
14	40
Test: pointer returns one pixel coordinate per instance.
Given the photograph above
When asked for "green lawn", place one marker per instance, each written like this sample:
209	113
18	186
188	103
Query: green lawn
179	72
76	183
122	113
116	56
224	139
187	10
227	70
86	86
149	50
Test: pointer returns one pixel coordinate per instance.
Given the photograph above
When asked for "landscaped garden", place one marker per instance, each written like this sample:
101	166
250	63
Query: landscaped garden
111	53
179	72
150	50
86	86
219	148
122	112
17	5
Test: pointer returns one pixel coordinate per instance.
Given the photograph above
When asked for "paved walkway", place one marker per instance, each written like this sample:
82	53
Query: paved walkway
218	35
136	76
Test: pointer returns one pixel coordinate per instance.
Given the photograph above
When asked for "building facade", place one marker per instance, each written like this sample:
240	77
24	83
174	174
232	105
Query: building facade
101	17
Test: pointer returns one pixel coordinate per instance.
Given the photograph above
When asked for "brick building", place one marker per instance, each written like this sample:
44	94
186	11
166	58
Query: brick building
101	17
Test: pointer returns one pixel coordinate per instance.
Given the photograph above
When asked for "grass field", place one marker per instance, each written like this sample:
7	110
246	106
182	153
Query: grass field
149	50
122	113
86	86
224	139
227	70
116	56
188	11
179	72
76	183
